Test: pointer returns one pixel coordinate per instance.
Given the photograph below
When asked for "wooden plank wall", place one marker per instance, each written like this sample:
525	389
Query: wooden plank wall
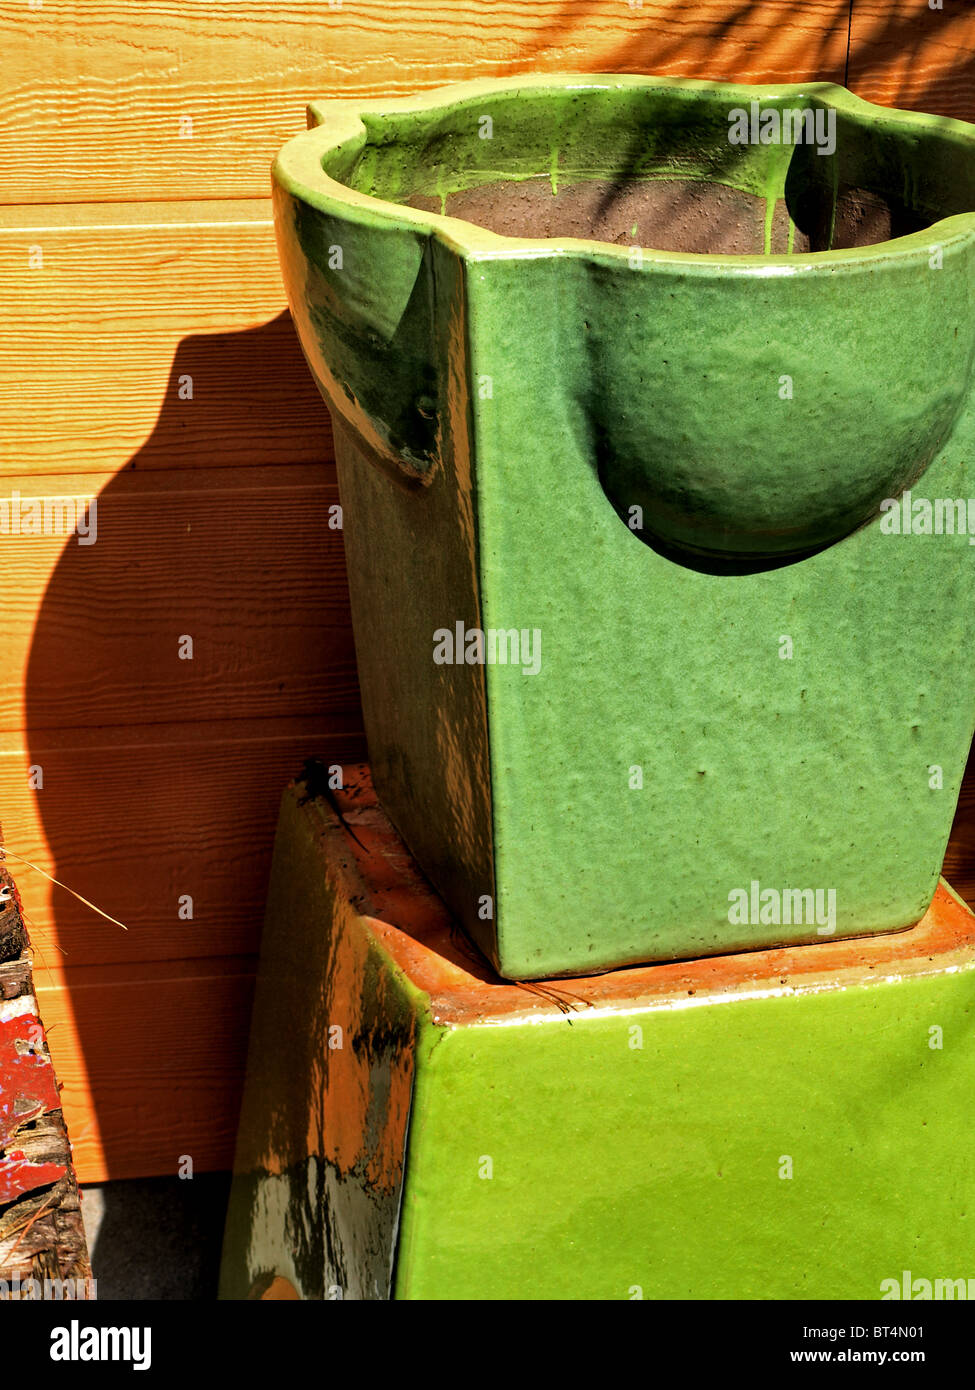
136	252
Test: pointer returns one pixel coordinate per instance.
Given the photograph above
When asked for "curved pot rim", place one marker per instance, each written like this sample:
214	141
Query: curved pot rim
298	169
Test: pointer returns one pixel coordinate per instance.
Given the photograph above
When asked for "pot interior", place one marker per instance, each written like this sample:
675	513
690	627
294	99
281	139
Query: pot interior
673	169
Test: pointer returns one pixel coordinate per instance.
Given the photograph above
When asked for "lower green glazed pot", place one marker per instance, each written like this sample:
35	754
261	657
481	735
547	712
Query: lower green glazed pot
646	672
770	1125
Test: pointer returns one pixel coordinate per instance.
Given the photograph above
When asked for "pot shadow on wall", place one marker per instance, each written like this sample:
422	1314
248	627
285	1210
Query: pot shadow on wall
161	774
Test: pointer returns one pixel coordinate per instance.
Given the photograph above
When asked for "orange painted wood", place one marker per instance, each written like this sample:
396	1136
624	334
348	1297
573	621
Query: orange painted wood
959	866
135	818
151	1061
161	777
114	314
242	560
193	98
906	54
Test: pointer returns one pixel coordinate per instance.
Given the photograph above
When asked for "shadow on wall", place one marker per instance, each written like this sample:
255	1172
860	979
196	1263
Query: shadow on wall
162	775
848	41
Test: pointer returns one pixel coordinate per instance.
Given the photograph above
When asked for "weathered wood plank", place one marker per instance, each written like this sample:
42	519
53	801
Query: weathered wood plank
138	820
959	867
904	53
194	99
149	337
241	560
151	1062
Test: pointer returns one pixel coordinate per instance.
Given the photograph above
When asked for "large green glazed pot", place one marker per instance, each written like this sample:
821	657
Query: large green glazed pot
723	699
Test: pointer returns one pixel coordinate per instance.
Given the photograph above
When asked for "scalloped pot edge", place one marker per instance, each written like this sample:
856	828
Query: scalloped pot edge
298	168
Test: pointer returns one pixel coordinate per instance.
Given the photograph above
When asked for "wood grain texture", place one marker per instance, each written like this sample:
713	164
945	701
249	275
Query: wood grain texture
959	866
135	819
161	777
113	314
906	54
151	1062
122	75
242	560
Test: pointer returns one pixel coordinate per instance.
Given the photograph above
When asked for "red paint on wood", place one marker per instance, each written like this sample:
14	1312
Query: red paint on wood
18	1175
28	1089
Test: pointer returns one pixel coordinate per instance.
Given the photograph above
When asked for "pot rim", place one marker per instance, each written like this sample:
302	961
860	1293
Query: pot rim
298	170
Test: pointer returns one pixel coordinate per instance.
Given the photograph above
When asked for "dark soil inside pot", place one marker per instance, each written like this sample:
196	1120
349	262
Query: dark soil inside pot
675	215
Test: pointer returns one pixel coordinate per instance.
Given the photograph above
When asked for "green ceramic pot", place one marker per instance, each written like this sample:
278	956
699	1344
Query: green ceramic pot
717	703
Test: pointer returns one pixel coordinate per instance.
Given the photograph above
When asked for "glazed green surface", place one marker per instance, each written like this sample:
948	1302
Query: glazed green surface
651	130
542	390
617	1169
567	135
811	771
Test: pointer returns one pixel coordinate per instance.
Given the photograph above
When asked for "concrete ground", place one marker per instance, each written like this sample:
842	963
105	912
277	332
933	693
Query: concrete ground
156	1237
